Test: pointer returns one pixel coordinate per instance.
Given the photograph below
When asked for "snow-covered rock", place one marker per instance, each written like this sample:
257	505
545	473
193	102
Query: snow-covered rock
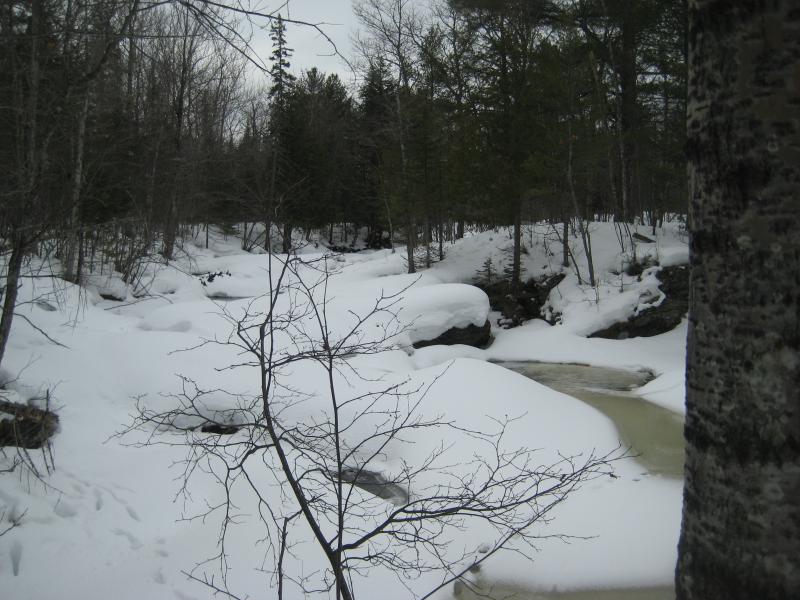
430	311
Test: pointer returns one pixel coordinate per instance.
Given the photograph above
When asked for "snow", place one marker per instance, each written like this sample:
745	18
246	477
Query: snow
110	519
674	255
431	310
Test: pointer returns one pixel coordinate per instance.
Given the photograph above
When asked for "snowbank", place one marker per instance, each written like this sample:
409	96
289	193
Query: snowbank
110	520
431	310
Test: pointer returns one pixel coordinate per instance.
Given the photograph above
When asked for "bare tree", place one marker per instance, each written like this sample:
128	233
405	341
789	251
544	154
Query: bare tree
329	463
31	112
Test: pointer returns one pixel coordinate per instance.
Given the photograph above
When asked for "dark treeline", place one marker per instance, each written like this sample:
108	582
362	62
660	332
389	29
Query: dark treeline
126	124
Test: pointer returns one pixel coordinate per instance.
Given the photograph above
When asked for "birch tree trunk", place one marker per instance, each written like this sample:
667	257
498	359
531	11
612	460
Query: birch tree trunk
740	537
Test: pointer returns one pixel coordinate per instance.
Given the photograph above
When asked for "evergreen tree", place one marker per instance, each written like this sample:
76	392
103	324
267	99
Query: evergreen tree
281	179
509	101
375	113
282	79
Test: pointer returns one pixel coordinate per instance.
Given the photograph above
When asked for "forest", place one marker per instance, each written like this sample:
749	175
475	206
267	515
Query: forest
128	124
505	307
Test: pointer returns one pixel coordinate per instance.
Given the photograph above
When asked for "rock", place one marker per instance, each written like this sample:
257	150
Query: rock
374	483
343	249
446	313
643	238
635	269
45	305
25	426
210	277
471	335
219	429
523	304
378	239
674	283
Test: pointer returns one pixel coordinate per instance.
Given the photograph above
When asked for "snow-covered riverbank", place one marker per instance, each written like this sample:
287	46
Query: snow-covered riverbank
106	521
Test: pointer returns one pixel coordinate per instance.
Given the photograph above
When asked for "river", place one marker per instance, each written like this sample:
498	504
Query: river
654	434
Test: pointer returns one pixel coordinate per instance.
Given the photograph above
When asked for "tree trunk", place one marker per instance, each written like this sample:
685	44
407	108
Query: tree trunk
171	227
628	108
32	149
389	220
440	235
287	237
740	537
516	262
10	295
72	258
411	235
426	233
272	201
268	233
582	225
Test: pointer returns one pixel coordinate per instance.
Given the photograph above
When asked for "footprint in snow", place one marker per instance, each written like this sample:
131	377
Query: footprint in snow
130	510
98	500
113	495
132	539
64	509
123	488
80	482
158	577
16	556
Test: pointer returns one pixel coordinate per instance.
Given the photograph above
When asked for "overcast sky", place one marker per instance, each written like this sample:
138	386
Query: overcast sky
310	48
335	17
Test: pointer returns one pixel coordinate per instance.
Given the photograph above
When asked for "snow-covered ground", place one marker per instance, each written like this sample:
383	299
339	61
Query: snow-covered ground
111	518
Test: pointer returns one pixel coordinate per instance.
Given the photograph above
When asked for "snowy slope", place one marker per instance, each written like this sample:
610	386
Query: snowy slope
111	518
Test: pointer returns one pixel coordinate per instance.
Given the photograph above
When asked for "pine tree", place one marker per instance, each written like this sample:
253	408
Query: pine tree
376	111
282	84
282	79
